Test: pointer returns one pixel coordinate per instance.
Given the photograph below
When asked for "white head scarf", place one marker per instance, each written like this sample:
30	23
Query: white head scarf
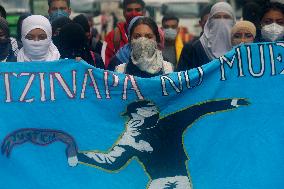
42	50
216	39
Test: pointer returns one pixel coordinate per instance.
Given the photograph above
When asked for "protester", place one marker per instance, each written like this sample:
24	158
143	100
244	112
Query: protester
123	54
77	48
36	38
2	12
146	60
173	42
83	22
117	38
243	32
58	8
216	39
6	52
187	49
272	22
57	24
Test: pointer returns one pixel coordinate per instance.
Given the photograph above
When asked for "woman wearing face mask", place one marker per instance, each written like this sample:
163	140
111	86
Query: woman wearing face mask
6	52
216	39
36	39
272	22
123	55
146	59
73	44
243	32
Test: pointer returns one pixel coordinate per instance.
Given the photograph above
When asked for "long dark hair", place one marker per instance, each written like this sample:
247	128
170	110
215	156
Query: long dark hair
272	6
149	22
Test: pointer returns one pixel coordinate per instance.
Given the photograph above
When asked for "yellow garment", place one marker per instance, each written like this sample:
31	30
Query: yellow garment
179	46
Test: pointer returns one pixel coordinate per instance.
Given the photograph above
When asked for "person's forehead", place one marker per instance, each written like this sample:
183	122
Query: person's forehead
142	28
222	14
133	6
37	31
273	14
171	22
243	30
59	3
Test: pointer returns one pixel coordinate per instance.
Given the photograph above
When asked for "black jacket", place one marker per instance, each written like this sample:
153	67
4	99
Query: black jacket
192	56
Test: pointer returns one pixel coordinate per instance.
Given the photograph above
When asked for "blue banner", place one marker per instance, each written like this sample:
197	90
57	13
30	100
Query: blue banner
65	124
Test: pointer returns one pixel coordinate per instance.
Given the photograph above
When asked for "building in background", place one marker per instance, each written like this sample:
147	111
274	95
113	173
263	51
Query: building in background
187	10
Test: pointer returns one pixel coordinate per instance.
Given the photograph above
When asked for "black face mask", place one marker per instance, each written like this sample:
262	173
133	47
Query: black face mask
55	40
71	53
4	48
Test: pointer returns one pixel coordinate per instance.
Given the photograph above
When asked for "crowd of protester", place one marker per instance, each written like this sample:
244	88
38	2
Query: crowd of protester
138	46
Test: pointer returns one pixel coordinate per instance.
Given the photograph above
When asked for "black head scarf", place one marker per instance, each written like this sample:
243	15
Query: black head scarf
3	12
4	26
72	42
252	12
59	23
83	21
5	44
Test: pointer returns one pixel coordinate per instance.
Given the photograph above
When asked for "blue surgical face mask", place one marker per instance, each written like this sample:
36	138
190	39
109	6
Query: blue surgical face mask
57	14
170	34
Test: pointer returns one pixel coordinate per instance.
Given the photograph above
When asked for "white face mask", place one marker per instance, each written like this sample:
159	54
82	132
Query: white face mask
272	32
219	24
146	56
143	47
220	36
36	50
170	34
